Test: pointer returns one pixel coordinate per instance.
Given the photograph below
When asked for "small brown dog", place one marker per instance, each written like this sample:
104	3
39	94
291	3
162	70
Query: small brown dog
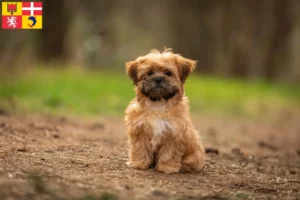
160	131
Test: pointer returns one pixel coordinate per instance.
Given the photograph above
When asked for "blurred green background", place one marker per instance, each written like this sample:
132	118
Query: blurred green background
247	53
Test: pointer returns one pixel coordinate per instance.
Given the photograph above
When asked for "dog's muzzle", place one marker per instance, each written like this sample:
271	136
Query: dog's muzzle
158	88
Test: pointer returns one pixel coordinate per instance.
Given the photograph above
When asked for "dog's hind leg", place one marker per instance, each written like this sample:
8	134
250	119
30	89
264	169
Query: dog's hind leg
193	159
193	162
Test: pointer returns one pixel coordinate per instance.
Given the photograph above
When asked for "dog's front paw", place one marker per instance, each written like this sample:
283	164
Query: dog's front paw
137	165
168	169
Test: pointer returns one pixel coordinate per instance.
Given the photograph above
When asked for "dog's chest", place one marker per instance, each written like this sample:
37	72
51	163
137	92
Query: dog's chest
157	126
160	126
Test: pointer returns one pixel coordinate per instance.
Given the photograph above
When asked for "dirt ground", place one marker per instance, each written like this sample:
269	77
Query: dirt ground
46	157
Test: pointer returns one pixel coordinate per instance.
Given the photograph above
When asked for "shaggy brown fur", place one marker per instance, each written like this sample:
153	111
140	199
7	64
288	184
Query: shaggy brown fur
160	131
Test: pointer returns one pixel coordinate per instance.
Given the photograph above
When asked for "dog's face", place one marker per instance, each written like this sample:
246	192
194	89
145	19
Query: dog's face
159	76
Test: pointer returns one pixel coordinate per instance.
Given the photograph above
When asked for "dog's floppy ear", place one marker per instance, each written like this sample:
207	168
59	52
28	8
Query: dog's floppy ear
132	70
185	67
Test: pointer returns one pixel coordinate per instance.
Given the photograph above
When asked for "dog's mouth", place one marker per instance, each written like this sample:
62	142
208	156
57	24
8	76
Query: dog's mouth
158	92
157	87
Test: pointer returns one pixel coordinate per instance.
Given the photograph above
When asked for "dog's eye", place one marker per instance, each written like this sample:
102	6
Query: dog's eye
150	73
168	73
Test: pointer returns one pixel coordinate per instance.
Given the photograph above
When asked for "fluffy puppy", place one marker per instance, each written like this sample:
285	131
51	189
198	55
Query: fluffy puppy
160	131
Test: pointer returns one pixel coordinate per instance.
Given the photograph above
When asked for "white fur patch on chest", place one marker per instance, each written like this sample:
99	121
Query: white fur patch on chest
160	126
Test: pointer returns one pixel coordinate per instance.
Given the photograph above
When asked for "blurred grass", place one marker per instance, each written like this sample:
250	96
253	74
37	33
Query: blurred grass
79	92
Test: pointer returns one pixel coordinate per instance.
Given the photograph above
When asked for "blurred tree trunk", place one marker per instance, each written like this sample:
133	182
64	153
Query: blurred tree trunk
190	31
52	45
294	43
277	53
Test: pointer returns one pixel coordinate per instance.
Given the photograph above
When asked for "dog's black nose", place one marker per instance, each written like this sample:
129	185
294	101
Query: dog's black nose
159	79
